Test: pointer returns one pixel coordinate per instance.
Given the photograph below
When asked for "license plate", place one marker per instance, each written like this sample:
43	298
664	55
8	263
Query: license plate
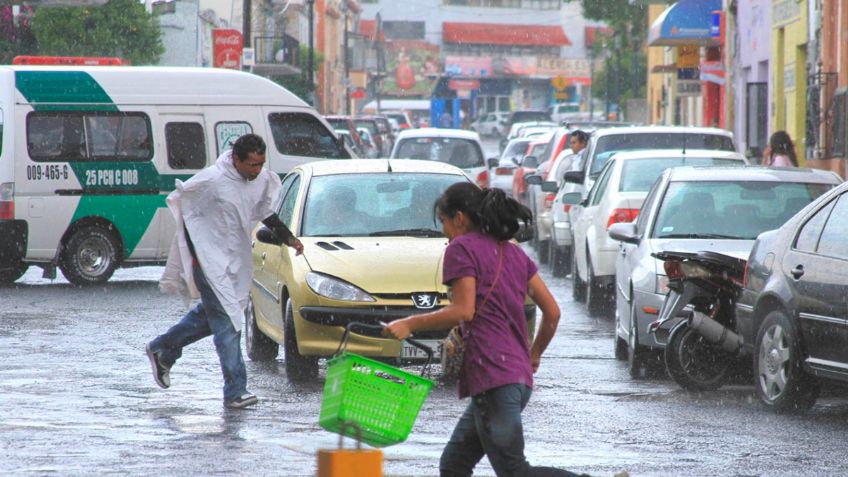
408	351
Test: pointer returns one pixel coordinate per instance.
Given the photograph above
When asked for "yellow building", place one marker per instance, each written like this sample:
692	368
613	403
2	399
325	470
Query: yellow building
788	72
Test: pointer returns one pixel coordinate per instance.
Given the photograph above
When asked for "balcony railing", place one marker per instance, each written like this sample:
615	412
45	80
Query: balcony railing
277	55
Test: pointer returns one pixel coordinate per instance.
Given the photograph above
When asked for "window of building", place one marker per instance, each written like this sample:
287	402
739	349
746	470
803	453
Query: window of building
89	136
756	117
186	145
838	129
403	30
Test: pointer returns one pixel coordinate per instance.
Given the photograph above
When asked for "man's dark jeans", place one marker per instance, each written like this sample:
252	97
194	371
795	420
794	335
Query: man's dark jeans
491	426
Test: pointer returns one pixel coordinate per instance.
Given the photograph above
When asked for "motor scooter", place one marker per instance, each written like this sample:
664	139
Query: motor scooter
697	321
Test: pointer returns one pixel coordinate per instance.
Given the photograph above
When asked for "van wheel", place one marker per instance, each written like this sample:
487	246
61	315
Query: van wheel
11	274
298	367
258	346
90	256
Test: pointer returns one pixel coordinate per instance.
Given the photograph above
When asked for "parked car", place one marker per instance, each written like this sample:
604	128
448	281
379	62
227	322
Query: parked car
457	147
523	116
402	118
792	314
560	250
516	130
501	175
369	147
566	112
344	134
617	197
345	123
690	209
378	133
349	216
489	124
528	165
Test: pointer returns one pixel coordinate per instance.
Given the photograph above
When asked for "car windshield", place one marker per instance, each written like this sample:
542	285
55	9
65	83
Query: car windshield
527	116
385	204
641	141
337	123
462	153
638	175
515	149
537	149
730	209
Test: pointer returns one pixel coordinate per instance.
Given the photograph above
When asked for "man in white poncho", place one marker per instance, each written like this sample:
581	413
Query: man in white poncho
210	258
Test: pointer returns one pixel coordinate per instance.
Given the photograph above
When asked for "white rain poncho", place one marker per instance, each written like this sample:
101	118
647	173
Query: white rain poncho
219	208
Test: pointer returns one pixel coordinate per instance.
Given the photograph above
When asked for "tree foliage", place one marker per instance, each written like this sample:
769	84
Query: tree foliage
119	28
299	84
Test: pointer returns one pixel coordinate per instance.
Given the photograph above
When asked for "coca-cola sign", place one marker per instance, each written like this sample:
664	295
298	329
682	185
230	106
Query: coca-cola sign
227	45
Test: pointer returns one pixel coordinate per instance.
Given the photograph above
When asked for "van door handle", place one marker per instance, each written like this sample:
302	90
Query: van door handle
798	272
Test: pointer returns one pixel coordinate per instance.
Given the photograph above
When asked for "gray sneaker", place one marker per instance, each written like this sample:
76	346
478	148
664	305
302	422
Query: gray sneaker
161	373
242	401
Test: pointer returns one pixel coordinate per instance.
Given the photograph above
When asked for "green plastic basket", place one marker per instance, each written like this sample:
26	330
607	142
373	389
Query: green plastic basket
383	400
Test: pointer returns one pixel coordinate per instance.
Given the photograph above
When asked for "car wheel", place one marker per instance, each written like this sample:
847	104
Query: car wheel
258	346
594	293
542	251
9	275
620	343
496	133
578	288
694	363
637	362
555	256
90	256
298	367
779	376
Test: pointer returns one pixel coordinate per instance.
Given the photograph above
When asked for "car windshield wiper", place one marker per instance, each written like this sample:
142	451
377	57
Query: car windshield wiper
703	236
408	232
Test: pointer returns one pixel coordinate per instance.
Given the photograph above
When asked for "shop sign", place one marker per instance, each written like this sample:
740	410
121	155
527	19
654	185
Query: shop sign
475	66
227	48
520	65
688	74
567	67
688	56
784	12
463	84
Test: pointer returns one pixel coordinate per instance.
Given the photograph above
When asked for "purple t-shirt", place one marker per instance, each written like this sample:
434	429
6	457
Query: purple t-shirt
496	350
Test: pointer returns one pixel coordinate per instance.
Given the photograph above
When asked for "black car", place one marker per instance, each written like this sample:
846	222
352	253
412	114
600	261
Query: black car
793	312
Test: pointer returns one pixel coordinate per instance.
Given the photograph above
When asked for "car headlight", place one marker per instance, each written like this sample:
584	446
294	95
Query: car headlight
662	284
335	289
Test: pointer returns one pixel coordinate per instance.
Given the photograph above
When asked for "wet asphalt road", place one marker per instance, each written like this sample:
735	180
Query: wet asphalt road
77	399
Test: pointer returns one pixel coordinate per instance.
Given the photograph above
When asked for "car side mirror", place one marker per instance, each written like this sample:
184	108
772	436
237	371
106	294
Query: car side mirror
266	235
624	232
574	177
492	162
533	179
573	198
550	186
530	162
524	233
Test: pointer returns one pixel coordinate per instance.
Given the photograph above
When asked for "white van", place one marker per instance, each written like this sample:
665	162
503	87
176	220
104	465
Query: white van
88	155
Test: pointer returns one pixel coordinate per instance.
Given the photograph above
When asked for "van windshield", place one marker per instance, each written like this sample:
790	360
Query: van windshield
655	140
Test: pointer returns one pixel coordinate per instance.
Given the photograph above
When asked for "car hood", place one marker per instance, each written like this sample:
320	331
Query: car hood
379	265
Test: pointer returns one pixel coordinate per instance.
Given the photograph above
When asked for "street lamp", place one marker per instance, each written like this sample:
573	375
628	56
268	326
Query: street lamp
310	59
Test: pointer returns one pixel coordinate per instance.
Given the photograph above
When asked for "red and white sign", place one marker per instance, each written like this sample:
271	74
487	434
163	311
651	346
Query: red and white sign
227	45
463	84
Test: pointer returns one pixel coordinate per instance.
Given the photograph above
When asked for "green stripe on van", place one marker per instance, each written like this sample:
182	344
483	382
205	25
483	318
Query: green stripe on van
131	214
65	90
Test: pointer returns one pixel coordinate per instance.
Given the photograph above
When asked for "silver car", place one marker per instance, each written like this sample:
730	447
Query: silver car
690	209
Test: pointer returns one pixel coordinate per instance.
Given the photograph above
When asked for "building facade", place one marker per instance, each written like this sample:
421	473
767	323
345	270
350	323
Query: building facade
750	66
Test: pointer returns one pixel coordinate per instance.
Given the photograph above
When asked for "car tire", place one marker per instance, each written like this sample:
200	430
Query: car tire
298	367
779	376
694	363
637	362
90	256
578	288
595	302
257	346
556	256
542	251
11	274
620	344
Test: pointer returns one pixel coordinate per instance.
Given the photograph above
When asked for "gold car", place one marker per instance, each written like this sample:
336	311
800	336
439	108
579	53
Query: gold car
372	253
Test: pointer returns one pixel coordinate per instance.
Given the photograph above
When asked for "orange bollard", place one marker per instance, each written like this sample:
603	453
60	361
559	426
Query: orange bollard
350	462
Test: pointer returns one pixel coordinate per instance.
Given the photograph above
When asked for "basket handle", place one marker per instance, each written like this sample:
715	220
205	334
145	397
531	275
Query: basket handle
343	344
343	425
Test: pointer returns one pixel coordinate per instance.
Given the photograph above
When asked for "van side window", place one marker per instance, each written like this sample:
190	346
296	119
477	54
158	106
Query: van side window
301	134
186	145
89	136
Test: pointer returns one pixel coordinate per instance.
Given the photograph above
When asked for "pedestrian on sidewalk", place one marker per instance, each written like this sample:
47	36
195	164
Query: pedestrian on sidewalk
210	259
489	277
780	151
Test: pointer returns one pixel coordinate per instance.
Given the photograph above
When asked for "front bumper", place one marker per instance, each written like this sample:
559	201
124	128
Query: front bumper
13	243
650	301
562	233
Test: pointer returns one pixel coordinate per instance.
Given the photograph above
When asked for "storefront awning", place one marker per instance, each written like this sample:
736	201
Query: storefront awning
687	22
503	34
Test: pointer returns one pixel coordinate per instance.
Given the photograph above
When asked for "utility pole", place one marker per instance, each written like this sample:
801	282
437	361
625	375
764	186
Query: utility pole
310	58
379	39
245	22
346	67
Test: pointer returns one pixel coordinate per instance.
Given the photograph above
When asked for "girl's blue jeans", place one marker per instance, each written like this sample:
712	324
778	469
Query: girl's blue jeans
491	426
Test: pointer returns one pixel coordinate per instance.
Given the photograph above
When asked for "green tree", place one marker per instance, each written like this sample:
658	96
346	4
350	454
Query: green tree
119	28
299	84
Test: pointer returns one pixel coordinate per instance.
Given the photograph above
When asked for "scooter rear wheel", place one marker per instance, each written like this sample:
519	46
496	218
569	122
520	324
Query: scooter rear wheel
694	363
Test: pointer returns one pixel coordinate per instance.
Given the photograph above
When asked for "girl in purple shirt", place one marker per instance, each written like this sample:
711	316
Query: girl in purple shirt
489	277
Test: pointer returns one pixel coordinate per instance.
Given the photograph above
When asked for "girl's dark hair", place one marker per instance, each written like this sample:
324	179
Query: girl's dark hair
781	143
490	210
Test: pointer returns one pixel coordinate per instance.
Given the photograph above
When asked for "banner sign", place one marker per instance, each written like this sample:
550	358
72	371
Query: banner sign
227	45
